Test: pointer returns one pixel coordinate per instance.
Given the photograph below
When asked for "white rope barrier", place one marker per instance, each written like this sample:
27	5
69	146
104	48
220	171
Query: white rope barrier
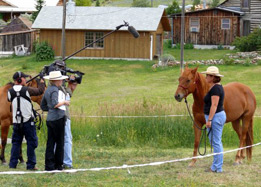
123	166
156	116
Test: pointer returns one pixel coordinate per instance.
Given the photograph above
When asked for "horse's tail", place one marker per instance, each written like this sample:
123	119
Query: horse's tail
249	139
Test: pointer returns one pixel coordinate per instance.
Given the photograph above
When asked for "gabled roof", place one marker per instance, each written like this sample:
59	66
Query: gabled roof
102	18
215	8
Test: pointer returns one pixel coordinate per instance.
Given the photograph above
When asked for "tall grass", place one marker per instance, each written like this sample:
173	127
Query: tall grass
158	132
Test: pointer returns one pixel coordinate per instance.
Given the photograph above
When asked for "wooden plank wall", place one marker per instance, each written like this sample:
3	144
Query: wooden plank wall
7	42
253	14
210	32
255	11
120	44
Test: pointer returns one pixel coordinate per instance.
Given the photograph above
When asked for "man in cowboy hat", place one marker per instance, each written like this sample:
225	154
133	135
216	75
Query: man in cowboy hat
54	102
23	123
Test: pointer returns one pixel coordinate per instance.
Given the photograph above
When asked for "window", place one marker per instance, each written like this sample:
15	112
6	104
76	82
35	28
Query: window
245	3
225	24
93	36
194	24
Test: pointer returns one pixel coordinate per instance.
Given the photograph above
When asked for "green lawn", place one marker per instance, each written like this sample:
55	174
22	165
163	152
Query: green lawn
117	87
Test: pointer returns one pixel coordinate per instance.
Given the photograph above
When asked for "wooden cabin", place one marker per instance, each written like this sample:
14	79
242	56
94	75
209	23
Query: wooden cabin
21	23
90	23
208	26
219	25
252	14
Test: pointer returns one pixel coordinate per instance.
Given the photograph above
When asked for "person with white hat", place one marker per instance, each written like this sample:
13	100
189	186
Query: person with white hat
54	102
215	115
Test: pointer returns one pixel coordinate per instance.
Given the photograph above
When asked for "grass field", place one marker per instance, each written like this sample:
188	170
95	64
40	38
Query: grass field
117	87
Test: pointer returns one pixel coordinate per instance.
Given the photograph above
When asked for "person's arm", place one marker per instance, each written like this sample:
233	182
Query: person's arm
37	91
54	100
43	104
62	103
213	108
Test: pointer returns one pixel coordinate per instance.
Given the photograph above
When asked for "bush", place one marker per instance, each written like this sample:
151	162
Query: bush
229	61
168	44
186	46
252	42
220	47
44	52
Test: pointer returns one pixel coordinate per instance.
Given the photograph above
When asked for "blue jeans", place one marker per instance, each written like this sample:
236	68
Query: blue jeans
28	130
67	161
217	125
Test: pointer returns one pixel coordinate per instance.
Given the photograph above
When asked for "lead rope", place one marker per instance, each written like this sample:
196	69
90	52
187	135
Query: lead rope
204	134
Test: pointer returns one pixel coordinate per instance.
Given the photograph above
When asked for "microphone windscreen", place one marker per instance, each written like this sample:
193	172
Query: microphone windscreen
133	31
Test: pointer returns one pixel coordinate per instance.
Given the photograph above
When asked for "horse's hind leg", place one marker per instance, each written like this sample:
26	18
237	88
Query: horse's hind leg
4	133
237	127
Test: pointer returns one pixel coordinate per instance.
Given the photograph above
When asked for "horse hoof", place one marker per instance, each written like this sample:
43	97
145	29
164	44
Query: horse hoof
192	164
236	163
4	163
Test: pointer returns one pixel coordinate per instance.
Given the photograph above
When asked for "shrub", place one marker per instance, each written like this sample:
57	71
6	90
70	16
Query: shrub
186	46
252	42
229	61
220	47
44	52
168	44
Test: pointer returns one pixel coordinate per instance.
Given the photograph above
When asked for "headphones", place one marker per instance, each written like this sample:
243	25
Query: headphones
19	79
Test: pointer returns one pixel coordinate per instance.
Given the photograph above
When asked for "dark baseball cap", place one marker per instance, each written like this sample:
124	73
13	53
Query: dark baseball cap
19	74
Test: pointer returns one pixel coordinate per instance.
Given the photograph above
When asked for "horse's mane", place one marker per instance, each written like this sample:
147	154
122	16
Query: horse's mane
10	84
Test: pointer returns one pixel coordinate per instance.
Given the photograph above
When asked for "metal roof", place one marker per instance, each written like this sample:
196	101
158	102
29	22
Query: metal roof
215	8
100	18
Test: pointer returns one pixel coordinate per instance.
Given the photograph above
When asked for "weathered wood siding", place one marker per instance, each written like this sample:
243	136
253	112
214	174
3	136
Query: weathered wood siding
210	32
120	44
253	13
8	41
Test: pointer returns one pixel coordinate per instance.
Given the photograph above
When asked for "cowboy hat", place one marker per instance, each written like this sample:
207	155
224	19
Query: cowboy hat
212	70
55	75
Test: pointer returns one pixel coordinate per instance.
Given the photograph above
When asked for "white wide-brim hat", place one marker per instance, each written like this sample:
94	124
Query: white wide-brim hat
55	75
212	70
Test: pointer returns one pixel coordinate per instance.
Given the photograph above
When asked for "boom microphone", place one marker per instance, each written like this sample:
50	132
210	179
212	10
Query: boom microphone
133	31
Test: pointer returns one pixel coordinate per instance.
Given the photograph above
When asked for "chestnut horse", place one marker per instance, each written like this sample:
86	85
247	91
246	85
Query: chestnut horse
239	105
6	115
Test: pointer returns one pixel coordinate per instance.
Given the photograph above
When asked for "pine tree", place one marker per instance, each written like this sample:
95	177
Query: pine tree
174	8
38	6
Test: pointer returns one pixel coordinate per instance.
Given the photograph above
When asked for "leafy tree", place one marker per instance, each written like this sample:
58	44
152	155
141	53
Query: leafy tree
83	2
195	3
140	3
214	3
174	8
38	6
97	3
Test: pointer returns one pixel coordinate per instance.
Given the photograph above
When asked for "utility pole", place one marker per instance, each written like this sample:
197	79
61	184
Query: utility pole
63	29
151	3
182	36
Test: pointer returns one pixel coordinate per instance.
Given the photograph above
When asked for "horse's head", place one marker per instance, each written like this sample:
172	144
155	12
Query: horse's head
34	83
187	83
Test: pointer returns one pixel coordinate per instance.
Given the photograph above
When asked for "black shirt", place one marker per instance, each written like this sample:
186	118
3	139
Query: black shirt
216	90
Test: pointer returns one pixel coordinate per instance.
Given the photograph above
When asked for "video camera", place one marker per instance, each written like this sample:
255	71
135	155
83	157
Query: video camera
64	70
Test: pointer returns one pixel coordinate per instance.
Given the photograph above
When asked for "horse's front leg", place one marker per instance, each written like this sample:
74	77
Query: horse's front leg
197	133
5	124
